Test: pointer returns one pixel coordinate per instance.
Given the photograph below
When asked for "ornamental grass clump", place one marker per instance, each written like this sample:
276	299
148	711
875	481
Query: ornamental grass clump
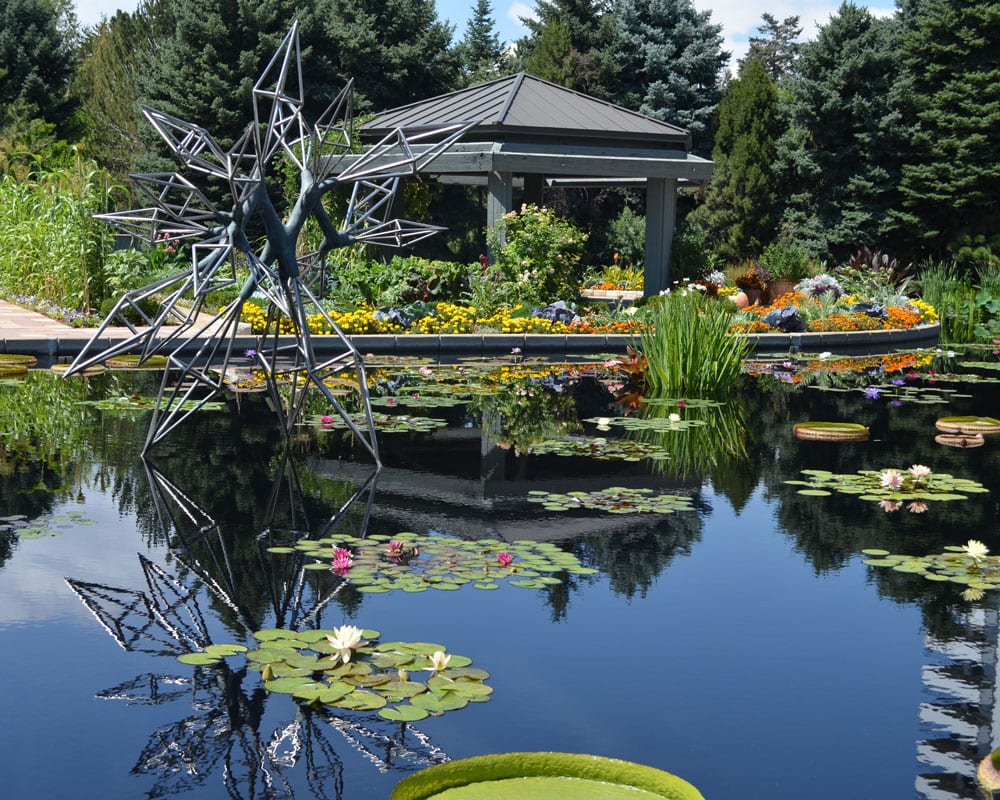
687	349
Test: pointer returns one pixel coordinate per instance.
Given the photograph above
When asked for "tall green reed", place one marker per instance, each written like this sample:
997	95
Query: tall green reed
51	247
687	347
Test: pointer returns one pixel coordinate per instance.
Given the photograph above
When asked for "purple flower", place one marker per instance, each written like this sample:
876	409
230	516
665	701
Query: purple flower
250	353
897	382
895	402
872	393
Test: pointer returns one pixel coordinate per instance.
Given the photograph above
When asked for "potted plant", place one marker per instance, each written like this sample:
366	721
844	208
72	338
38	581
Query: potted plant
753	283
788	265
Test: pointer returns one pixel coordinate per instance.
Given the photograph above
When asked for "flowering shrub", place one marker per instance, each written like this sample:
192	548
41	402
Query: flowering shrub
537	256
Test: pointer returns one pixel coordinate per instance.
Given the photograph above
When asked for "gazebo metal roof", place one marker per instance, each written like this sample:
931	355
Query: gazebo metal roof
541	132
522	107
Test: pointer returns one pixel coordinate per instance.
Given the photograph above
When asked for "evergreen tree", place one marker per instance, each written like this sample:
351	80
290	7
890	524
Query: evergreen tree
37	59
776	48
481	53
194	73
670	62
839	158
951	174
397	51
566	44
739	208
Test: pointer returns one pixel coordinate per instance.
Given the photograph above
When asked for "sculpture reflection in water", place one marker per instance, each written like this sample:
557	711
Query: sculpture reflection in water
226	737
198	351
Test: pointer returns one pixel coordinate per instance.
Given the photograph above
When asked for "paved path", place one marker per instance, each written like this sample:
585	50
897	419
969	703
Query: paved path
18	323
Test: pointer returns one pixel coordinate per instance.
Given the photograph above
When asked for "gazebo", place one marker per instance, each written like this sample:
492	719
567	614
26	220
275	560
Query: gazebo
534	133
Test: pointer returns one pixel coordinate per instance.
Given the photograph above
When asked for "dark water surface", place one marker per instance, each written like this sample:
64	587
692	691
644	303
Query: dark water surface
743	646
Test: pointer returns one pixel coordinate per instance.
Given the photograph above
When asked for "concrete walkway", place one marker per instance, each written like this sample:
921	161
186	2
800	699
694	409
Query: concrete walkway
30	333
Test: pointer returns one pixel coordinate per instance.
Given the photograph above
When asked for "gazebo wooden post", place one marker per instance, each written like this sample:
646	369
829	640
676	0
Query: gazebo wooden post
499	198
661	209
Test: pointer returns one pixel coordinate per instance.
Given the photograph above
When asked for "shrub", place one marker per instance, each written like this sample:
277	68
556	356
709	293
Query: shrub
537	255
786	261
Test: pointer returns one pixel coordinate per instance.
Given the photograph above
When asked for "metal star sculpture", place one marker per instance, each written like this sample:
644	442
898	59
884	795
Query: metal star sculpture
199	352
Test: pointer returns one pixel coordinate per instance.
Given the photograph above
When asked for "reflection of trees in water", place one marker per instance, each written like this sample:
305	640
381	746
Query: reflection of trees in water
959	676
829	531
45	440
635	557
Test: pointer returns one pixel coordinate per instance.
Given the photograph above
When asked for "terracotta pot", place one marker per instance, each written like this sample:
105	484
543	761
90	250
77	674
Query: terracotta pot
741	300
781	287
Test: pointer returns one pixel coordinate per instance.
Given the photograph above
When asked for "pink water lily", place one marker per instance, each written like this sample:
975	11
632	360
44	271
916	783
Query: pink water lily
891	479
504	559
890	505
395	548
920	471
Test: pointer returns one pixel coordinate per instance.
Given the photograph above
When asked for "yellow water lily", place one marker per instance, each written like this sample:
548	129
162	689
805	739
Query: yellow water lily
345	640
439	661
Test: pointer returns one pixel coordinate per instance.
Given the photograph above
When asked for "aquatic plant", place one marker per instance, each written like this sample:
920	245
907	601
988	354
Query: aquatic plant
614	500
411	562
688	349
892	487
969	565
346	668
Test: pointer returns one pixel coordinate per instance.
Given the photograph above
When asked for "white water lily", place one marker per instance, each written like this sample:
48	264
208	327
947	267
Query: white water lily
345	640
920	471
603	422
674	417
439	661
976	549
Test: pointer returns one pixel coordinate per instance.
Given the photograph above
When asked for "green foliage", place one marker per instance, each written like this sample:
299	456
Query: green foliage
566	44
37	59
777	47
626	236
482	55
739	211
50	244
786	261
669	62
107	81
396	50
951	175
874	276
687	349
691	254
358	281
839	158
537	256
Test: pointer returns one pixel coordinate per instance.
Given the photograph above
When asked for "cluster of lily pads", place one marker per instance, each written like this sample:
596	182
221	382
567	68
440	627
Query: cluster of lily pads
890	487
346	668
614	500
969	565
138	402
412	562
43	526
385	423
599	448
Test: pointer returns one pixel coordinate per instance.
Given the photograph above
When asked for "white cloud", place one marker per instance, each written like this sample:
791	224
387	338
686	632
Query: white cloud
518	11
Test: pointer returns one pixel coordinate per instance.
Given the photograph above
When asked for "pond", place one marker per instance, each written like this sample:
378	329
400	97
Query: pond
739	641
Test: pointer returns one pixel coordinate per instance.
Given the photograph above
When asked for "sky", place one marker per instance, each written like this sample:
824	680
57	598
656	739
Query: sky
739	18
